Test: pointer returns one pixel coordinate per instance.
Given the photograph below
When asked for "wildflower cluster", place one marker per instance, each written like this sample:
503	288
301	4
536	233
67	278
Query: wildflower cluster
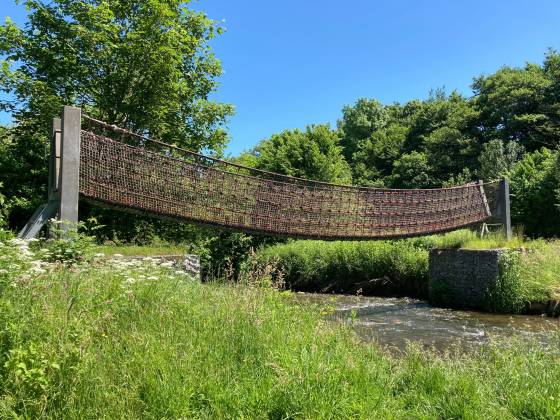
133	270
19	263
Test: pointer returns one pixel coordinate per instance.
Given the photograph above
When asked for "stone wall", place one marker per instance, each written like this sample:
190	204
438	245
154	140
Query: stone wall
463	278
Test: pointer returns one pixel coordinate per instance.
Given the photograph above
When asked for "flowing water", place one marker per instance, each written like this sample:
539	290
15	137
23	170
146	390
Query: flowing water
392	322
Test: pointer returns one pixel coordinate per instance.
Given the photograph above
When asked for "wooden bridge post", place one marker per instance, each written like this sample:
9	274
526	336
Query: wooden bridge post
503	208
69	173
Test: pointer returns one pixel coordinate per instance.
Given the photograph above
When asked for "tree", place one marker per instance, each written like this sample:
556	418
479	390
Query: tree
438	111
373	161
411	170
359	122
143	65
314	154
449	151
521	104
497	159
535	200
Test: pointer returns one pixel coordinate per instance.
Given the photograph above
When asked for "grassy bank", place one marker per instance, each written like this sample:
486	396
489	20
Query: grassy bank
377	267
116	339
140	251
400	268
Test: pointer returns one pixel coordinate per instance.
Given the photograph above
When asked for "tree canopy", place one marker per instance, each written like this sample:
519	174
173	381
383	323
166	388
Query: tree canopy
314	154
145	65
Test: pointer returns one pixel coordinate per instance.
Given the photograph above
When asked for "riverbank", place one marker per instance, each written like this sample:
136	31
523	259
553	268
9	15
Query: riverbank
528	281
114	338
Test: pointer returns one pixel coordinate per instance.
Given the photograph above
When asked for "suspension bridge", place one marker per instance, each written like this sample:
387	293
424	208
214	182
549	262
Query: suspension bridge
109	166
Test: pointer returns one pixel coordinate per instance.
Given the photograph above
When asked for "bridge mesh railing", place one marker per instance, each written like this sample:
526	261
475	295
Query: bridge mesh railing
135	173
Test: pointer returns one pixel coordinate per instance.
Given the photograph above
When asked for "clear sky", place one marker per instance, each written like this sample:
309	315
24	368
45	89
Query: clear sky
290	63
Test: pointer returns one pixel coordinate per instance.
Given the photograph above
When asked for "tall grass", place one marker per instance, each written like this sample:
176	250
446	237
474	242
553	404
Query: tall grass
539	269
118	340
401	266
141	251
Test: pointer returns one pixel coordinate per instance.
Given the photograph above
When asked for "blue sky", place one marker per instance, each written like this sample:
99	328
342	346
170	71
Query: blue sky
290	63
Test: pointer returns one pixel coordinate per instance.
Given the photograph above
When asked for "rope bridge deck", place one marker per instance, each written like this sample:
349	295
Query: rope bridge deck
135	173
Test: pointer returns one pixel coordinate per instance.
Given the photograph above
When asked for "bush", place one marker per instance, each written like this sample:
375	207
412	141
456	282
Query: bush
67	246
507	295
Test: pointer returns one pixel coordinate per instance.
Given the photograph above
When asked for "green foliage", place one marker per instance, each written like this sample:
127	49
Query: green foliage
67	245
22	173
153	57
411	170
449	151
439	111
534	185
143	65
521	104
498	158
373	160
359	122
314	154
507	294
538	268
338	266
100	342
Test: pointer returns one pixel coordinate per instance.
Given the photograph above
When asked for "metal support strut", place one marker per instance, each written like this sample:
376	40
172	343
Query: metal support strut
64	175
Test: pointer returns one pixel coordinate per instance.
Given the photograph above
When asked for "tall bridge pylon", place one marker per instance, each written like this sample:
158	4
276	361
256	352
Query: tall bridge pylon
110	166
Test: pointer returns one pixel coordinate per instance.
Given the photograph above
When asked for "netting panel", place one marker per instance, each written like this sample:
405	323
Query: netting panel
213	192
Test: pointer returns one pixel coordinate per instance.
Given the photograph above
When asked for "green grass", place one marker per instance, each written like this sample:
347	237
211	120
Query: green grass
101	341
141	251
539	270
313	265
470	239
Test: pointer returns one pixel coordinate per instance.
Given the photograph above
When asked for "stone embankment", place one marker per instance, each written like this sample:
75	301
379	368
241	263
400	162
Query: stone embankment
472	279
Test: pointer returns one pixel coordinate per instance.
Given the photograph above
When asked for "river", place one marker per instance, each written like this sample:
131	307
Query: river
392	322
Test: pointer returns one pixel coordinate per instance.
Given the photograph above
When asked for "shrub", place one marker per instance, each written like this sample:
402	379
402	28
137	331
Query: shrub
67	246
507	295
